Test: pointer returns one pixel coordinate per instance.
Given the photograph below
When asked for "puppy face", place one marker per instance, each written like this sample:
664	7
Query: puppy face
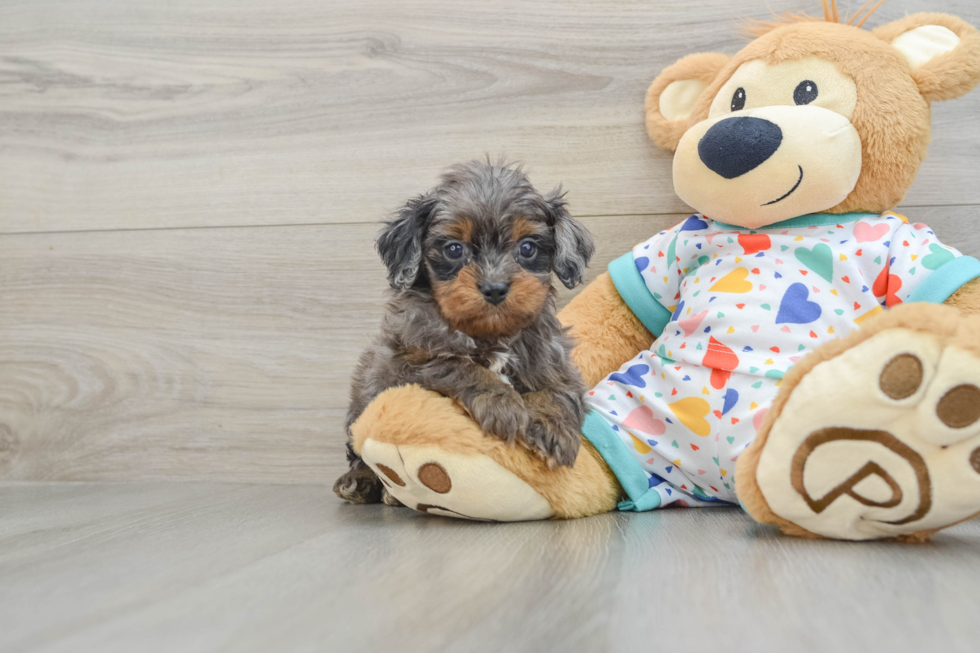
491	274
484	243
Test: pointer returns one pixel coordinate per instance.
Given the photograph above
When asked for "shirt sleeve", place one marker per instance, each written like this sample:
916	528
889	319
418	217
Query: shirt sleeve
648	278
920	268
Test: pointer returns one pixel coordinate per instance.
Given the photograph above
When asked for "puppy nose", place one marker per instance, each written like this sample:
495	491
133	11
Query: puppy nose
737	145
495	292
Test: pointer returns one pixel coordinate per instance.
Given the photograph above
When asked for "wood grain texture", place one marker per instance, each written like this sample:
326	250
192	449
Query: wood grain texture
123	114
197	567
200	353
211	354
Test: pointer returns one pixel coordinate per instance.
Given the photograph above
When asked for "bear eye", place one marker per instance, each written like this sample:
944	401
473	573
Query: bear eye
805	93
454	250
738	100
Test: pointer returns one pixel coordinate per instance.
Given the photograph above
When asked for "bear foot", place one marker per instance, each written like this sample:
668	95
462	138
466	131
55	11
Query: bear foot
880	438
438	482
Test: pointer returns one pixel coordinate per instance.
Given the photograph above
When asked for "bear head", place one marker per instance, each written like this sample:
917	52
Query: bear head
813	116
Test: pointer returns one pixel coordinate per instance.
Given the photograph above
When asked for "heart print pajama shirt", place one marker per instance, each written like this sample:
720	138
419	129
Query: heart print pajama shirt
733	309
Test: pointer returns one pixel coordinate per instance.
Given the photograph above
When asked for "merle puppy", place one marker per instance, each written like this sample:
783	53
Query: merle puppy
472	315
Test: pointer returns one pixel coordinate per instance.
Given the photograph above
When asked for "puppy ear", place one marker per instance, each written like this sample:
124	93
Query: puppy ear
401	240
943	51
573	242
673	94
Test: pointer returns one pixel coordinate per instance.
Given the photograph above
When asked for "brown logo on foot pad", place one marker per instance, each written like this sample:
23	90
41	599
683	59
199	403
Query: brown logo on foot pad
871	468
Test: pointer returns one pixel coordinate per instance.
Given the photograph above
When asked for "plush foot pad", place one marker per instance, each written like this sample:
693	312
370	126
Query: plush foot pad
882	440
434	481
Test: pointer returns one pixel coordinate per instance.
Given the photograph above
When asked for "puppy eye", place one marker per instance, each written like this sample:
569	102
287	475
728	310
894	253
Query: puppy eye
454	250
738	100
528	249
805	93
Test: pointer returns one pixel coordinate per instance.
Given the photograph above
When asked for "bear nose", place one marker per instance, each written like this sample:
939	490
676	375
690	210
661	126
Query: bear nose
495	292
737	145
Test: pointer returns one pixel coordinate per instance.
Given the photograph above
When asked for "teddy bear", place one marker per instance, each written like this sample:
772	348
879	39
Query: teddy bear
795	348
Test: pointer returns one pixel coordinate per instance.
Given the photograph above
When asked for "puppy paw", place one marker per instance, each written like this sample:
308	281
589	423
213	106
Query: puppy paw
883	440
389	499
556	439
500	413
359	485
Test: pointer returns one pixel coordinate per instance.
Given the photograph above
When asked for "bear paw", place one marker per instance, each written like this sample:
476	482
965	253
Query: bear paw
438	482
882	440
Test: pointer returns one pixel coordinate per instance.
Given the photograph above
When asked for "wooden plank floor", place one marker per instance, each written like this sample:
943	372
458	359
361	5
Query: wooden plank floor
196	567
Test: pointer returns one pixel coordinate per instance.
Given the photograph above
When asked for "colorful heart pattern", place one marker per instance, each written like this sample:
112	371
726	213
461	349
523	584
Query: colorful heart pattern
691	324
721	360
754	243
867	233
734	282
632	376
692	412
745	306
820	259
938	257
642	419
796	308
694	223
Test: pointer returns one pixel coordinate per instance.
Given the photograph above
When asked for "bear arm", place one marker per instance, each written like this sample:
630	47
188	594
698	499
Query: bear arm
605	331
967	298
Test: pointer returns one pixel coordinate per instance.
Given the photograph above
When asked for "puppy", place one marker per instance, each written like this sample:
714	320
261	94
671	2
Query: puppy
472	314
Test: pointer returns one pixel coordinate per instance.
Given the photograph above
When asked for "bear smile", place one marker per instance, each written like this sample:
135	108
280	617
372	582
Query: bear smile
791	190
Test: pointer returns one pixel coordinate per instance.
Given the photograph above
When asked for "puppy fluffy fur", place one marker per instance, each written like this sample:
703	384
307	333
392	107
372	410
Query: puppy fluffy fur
472	314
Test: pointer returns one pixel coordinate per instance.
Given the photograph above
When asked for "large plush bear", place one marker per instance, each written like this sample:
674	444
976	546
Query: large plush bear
796	348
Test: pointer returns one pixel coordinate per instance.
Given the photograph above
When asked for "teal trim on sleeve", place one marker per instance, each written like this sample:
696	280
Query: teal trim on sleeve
942	283
812	220
635	293
631	476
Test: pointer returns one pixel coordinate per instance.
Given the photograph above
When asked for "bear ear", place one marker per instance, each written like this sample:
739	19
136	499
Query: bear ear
672	96
943	51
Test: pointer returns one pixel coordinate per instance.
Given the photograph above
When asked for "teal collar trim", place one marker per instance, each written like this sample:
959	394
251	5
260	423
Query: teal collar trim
812	220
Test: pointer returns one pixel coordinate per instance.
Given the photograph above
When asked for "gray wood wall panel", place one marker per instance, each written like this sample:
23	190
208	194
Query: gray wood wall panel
132	114
196	353
189	193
